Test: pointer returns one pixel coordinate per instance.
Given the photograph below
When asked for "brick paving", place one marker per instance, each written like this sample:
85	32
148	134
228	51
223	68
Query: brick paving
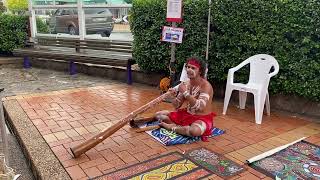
67	117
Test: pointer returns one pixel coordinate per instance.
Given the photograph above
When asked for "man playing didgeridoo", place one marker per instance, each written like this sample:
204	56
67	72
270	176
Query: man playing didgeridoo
196	119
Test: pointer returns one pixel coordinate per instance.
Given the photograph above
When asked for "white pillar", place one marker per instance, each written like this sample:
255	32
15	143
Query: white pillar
32	20
5	5
81	19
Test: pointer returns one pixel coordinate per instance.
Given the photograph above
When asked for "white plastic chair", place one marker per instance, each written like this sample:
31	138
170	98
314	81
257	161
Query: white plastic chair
260	66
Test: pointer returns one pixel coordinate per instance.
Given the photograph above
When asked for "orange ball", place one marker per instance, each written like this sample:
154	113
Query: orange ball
165	84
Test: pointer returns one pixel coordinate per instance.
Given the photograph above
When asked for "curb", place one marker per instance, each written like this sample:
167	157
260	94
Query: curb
40	158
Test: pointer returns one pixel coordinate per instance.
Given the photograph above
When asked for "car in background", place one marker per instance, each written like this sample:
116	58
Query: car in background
97	21
123	20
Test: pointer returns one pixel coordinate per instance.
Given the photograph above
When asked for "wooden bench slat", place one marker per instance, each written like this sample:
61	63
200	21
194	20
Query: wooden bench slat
90	46
127	43
108	49
104	52
70	56
66	53
85	45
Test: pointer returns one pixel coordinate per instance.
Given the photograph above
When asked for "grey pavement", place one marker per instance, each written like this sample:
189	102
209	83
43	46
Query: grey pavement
17	80
17	160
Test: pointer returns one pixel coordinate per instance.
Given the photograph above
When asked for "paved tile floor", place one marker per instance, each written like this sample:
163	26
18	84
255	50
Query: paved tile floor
67	117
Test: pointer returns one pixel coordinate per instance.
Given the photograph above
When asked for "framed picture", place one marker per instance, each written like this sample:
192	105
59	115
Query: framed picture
172	34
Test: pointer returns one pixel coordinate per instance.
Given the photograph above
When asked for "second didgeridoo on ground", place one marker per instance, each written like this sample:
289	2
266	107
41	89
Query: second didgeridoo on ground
92	142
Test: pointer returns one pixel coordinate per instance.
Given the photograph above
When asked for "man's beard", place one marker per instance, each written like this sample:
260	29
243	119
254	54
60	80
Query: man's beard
191	74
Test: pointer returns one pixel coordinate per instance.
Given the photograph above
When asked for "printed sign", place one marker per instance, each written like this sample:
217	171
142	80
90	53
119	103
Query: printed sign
174	11
171	34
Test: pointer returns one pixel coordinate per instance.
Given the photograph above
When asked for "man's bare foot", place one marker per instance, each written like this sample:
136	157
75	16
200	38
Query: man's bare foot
132	124
167	126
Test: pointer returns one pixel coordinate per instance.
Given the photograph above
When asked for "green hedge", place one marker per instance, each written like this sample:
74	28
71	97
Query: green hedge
13	32
42	27
147	19
286	29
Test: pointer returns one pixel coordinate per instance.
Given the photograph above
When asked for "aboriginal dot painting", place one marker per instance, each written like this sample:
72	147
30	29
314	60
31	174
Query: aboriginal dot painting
298	161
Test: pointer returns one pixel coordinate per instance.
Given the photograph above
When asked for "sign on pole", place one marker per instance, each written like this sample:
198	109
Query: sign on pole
172	34
174	11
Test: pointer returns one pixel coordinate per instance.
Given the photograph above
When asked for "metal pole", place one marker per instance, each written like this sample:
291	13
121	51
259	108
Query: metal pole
208	32
3	130
172	60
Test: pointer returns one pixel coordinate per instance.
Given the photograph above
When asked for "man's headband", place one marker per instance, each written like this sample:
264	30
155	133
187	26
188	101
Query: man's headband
194	62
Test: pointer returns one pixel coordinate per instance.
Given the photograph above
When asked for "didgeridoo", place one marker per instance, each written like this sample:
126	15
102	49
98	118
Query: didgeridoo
95	140
148	128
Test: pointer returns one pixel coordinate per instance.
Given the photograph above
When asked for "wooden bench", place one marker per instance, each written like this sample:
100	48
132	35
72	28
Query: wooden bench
102	52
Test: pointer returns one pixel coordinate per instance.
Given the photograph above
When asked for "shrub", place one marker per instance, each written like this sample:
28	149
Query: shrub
42	27
13	32
288	30
147	19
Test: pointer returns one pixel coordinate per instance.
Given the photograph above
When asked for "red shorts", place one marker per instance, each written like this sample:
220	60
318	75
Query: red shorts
183	118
